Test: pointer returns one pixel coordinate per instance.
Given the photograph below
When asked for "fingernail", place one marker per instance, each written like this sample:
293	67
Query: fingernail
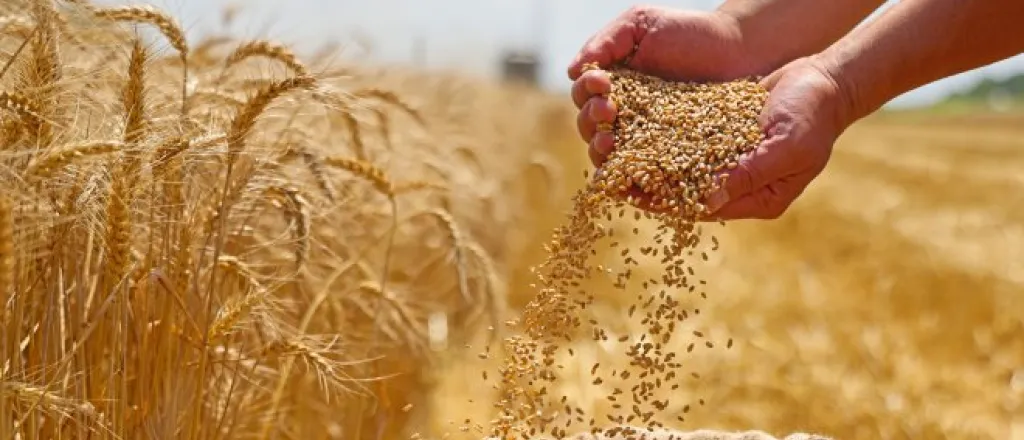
717	200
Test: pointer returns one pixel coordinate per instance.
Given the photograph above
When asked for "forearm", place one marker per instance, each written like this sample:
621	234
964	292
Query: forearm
917	42
775	32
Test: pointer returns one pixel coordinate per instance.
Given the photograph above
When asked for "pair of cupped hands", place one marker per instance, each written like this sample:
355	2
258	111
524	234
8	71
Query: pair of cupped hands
800	119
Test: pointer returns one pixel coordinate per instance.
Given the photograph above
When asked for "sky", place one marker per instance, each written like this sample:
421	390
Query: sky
465	35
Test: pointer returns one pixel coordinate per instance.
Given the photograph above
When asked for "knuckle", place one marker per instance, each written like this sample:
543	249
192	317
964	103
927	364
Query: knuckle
637	10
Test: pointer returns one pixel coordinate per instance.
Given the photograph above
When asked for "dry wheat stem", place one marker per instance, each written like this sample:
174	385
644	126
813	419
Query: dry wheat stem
7	256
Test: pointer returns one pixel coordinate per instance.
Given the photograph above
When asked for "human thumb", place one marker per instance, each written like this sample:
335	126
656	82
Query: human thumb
754	170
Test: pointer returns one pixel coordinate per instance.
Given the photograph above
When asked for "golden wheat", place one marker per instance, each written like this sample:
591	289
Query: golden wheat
158	263
268	49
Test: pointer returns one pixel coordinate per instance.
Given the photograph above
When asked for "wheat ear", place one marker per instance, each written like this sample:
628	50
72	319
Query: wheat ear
165	24
244	121
133	96
147	14
232	313
20	104
297	213
418	185
458	247
45	166
19	25
118	230
365	170
267	49
49	400
42	72
390	98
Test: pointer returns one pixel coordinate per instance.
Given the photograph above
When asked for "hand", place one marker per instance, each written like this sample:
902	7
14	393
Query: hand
805	113
672	44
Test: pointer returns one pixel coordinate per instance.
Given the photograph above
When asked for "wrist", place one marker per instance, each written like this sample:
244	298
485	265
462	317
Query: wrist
851	103
744	58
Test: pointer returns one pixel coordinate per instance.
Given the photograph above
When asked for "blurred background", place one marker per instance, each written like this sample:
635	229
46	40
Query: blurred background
483	37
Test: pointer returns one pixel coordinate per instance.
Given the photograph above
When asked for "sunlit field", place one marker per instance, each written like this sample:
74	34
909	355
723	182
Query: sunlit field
887	303
217	239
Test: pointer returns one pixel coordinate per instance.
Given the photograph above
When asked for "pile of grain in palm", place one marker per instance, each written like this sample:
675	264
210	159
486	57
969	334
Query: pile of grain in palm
671	139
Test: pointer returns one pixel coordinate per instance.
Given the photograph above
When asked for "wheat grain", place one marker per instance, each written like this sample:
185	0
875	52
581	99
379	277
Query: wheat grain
670	139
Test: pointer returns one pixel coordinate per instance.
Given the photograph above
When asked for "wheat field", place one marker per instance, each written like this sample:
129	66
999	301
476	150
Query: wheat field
888	303
217	239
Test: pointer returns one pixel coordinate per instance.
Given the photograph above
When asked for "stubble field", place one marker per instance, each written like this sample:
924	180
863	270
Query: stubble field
286	249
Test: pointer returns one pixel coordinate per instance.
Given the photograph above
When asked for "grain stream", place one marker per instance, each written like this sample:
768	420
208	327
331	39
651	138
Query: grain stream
672	140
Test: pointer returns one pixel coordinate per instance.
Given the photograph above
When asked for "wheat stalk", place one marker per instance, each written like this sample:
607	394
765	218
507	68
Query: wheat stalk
6	252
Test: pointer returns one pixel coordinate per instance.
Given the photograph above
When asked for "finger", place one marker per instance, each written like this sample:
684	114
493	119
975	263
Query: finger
767	203
602	109
596	158
769	81
591	83
771	161
611	44
584	125
603	143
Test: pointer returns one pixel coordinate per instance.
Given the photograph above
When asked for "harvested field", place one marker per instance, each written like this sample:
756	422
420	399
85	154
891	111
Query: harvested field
315	271
888	303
